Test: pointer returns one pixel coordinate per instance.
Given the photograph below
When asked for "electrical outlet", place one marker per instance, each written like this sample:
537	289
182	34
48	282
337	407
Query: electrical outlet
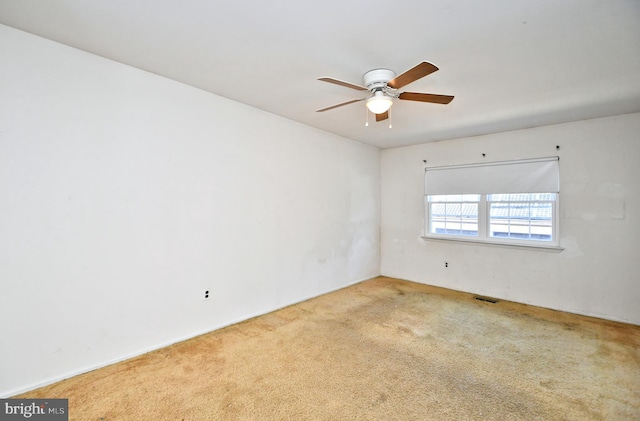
206	295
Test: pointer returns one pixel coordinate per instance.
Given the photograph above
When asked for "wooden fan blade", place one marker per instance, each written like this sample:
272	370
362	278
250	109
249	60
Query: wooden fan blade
421	70
343	83
339	105
434	98
383	116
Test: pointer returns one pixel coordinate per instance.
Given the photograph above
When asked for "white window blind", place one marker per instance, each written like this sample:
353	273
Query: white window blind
523	176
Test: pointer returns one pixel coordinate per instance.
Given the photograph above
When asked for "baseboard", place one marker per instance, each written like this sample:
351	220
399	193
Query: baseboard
596	315
73	373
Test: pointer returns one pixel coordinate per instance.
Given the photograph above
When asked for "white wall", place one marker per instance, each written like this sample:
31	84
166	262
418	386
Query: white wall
597	274
124	196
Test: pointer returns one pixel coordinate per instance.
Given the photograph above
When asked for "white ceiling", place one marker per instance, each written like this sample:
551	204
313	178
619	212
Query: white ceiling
511	64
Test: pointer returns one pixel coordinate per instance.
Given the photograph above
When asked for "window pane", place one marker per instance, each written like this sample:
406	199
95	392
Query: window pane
437	198
453	226
438	218
541	211
453	209
469	219
521	220
541	221
470	198
454	218
454	198
524	197
498	197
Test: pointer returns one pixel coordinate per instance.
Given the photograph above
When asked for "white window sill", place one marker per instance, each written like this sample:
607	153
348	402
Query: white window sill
541	247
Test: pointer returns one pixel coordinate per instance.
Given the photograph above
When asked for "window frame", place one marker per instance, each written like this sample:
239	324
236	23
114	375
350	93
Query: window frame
484	237
457	202
554	221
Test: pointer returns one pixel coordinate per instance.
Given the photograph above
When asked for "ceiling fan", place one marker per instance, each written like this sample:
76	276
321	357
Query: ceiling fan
384	85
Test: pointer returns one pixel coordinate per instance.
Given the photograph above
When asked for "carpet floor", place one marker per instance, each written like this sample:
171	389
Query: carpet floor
383	349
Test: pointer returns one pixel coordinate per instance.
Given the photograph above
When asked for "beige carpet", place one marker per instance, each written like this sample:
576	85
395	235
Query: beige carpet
381	350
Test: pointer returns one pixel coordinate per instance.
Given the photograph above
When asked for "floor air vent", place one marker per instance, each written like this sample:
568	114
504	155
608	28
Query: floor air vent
486	299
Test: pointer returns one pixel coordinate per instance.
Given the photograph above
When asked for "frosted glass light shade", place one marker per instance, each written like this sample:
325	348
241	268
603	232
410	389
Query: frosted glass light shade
379	103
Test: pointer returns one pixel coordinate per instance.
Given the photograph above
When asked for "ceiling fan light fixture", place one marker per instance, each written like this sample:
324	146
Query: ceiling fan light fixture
379	103
384	86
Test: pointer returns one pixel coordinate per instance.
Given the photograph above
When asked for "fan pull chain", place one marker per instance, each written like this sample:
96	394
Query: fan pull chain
366	113
389	114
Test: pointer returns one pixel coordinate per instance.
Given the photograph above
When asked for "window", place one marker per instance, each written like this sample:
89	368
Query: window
454	214
513	202
523	216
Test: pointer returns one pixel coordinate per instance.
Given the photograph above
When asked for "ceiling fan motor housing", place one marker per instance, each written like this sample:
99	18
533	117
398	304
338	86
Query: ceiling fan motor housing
377	79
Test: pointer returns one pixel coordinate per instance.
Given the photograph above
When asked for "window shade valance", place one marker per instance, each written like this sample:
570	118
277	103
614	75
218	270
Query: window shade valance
524	176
